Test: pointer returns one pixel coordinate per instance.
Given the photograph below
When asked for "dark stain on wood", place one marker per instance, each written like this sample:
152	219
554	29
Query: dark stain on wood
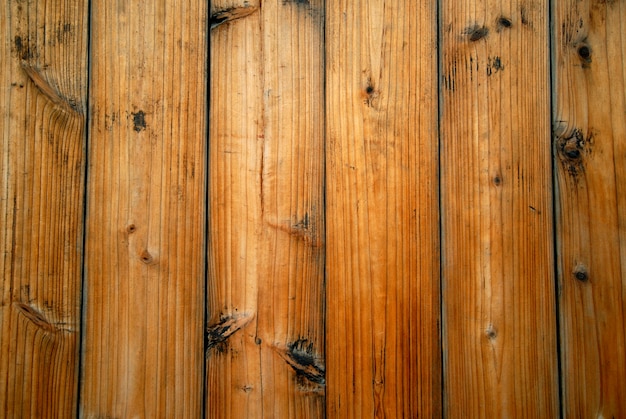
494	64
524	16
139	121
476	32
304	223
22	48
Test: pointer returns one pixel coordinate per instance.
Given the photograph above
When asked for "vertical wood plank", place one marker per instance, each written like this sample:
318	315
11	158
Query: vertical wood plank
590	153
43	89
498	291
143	348
382	342
266	255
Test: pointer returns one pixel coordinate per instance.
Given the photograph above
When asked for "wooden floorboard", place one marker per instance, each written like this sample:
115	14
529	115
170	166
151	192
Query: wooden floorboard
499	312
266	247
590	156
43	95
382	316
145	243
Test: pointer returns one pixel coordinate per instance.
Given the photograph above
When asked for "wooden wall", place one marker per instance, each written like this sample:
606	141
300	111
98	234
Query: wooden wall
309	208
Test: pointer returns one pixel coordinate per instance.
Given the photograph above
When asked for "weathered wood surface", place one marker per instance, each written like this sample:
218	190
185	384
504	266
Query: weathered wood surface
590	152
382	342
43	92
145	249
499	315
325	188
265	354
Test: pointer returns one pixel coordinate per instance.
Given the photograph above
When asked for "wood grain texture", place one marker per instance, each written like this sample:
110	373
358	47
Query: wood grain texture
382	342
590	152
499	315
43	90
266	256
143	345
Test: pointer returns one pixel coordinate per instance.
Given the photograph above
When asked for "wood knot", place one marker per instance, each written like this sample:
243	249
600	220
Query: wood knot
491	332
571	150
146	257
584	52
580	273
504	22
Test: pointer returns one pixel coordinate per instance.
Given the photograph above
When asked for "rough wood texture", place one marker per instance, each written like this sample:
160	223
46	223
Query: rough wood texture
143	346
590	152
265	293
499	334
382	342
43	88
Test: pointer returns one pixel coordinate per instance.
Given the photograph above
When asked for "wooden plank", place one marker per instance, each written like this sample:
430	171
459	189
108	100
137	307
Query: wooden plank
143	349
43	91
499	332
590	147
265	292
382	341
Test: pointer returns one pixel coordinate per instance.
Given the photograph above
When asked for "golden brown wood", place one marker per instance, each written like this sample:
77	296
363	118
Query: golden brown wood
266	265
143	349
382	343
499	329
590	152
43	90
